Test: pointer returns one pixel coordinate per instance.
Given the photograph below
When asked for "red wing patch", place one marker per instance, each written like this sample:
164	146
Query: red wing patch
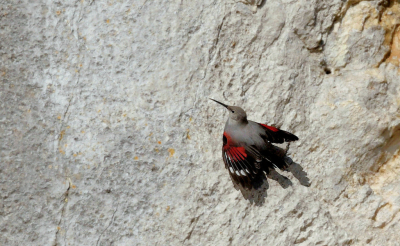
270	127
236	158
235	153
240	162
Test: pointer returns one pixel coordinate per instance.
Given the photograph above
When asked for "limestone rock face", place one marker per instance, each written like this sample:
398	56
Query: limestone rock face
107	136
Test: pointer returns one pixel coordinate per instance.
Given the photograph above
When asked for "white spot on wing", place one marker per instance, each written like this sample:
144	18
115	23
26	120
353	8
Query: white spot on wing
242	172
227	157
247	171
231	170
237	173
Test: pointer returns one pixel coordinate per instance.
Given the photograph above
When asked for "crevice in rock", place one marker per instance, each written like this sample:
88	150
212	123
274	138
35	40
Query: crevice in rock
111	221
255	3
389	19
318	49
382	6
61	135
384	223
389	149
214	46
390	220
194	220
340	193
377	210
66	111
339	16
219	30
65	200
389	52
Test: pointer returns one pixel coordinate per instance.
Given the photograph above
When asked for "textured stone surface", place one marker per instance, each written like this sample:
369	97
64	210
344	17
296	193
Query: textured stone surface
107	135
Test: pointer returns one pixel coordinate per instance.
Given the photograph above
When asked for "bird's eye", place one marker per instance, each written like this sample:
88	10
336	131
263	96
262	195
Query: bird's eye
233	111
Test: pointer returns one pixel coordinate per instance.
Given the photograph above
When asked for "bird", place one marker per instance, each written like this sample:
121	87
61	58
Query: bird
248	149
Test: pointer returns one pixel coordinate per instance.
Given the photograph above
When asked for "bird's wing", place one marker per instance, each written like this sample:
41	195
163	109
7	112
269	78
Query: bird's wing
243	162
240	162
275	135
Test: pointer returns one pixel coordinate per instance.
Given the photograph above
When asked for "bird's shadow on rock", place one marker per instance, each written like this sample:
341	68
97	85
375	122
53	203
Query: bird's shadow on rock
257	196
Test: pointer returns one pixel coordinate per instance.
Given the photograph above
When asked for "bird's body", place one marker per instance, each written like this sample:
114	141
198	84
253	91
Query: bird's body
247	148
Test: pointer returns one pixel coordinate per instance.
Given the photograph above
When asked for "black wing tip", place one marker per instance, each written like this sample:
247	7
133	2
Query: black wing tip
292	138
289	137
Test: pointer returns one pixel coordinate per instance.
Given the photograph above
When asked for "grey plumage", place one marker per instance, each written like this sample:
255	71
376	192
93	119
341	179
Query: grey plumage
247	148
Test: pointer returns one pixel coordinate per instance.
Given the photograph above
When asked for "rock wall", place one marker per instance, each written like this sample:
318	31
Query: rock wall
107	135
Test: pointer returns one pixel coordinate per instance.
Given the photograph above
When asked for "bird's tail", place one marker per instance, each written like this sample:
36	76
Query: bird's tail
275	158
276	163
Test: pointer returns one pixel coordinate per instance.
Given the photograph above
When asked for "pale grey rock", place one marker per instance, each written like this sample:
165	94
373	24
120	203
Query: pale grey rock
107	135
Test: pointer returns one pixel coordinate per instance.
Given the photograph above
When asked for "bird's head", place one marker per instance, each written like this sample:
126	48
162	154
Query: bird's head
236	114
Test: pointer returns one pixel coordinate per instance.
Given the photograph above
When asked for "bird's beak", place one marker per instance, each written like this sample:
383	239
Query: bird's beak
226	106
